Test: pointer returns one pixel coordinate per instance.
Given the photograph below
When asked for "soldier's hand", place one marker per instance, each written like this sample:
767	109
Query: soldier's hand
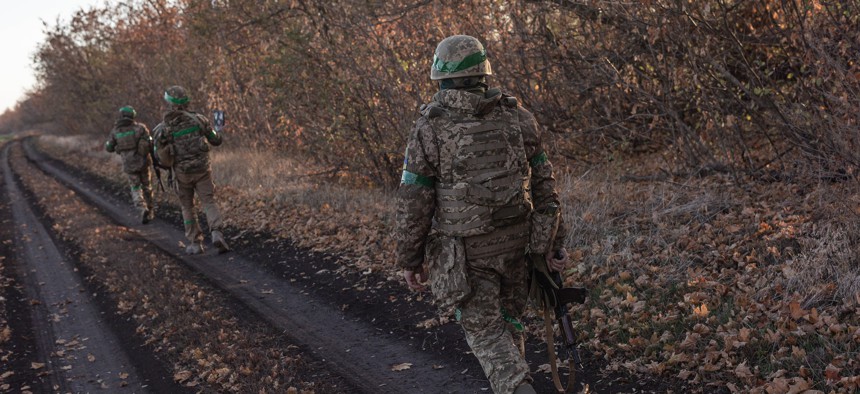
415	278
558	260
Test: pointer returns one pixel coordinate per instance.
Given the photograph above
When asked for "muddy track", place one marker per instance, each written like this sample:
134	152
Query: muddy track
75	350
360	352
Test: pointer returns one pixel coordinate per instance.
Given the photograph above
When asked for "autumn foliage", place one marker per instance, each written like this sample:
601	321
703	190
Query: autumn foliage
743	86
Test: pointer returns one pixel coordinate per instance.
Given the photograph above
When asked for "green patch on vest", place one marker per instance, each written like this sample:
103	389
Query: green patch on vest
411	178
539	159
125	134
189	130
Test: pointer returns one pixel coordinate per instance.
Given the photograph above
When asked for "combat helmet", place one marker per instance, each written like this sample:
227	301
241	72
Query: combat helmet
460	56
176	96
127	112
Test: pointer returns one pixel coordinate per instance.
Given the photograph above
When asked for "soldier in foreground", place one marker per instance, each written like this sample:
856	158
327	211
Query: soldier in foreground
477	191
131	140
183	140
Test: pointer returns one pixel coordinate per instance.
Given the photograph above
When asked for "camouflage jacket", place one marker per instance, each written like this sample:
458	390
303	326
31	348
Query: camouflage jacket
191	136
427	162
131	140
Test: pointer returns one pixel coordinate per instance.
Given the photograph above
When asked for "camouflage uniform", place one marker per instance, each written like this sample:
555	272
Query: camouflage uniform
189	136
474	171
131	140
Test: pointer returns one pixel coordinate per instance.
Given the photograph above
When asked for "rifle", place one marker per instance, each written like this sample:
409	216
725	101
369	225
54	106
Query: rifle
156	168
557	296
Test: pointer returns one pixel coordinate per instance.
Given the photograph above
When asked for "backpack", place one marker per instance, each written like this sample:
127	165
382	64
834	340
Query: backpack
162	147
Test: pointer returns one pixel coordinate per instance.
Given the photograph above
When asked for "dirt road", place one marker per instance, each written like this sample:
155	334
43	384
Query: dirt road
76	351
362	353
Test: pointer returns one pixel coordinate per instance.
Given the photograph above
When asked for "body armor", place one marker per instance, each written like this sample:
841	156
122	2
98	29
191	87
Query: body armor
190	149
482	194
132	145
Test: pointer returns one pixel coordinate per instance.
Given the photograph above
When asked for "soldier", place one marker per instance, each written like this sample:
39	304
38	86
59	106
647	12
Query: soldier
131	140
183	140
474	175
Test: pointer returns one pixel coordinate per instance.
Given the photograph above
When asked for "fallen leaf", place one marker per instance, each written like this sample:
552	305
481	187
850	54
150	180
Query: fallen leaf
401	367
35	365
182	376
832	372
796	311
743	371
91	358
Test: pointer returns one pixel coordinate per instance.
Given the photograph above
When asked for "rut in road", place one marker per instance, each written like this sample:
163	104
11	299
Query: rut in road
77	350
205	338
355	350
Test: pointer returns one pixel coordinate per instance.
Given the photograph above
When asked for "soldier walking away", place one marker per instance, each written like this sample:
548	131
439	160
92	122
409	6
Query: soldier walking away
131	140
182	142
474	177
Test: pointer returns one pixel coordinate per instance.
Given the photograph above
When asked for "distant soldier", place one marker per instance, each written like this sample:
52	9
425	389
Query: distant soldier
183	140
475	177
131	140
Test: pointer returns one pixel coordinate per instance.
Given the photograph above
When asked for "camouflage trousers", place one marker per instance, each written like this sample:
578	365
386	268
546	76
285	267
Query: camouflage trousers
497	289
141	188
201	184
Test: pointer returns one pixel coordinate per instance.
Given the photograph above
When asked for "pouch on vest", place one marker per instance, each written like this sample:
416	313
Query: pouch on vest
164	150
446	259
164	155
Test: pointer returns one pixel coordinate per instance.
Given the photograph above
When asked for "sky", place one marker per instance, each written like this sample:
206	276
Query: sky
21	32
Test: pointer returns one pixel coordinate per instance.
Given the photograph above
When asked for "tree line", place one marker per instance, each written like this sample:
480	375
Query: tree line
757	86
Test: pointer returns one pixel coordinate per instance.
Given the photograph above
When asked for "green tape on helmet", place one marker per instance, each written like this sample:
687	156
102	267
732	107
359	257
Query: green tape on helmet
459	56
175	101
128	112
454	66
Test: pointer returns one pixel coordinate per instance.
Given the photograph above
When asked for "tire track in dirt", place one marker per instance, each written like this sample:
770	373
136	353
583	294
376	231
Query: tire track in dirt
354	350
63	317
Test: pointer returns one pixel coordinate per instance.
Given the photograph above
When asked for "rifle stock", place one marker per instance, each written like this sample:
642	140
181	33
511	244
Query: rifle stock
565	325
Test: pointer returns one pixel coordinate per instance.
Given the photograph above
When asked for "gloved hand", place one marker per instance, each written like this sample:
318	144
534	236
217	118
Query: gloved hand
415	278
557	261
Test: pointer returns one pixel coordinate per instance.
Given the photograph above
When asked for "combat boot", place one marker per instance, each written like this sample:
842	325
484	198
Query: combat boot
219	242
525	388
194	248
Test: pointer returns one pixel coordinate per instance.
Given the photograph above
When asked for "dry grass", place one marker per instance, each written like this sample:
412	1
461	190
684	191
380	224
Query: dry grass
285	180
826	268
